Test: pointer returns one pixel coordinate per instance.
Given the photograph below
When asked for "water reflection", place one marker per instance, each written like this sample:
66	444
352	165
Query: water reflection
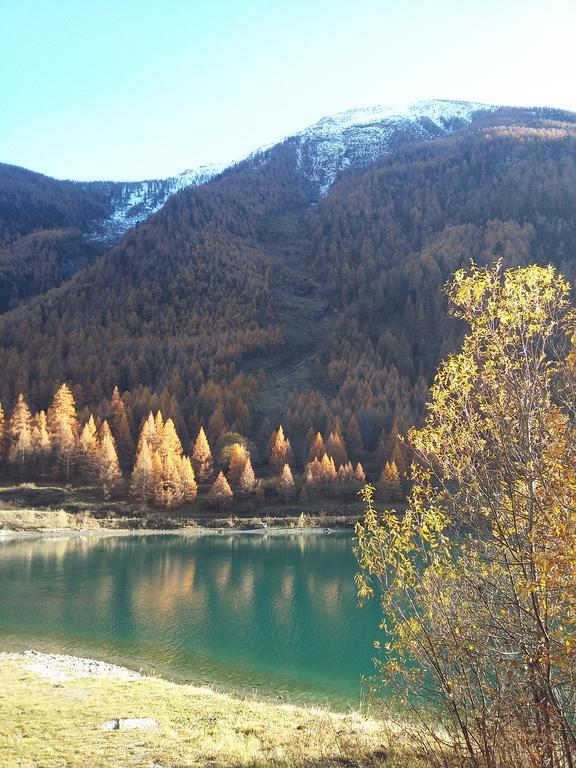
276	612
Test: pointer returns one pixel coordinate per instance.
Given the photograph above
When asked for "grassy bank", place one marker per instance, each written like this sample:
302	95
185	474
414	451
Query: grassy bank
30	507
52	710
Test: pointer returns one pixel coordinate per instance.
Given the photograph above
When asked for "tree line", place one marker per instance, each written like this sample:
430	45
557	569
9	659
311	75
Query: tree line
155	470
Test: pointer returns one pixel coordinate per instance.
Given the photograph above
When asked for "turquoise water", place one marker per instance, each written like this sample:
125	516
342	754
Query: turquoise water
272	614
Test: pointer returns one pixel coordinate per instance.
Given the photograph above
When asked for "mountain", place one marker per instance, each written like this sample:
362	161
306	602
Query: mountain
50	229
358	137
132	202
265	295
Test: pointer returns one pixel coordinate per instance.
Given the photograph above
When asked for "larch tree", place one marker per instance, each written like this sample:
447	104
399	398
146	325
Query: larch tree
317	449
476	579
359	474
238	458
20	432
336	449
170	444
202	457
247	481
109	473
89	449
285	483
120	427
189	485
142	481
354	435
221	492
389	487
63	428
280	451
168	486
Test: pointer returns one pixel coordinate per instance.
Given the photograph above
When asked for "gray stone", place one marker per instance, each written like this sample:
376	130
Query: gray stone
122	724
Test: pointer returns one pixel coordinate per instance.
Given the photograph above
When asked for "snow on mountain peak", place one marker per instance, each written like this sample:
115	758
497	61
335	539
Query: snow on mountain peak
360	136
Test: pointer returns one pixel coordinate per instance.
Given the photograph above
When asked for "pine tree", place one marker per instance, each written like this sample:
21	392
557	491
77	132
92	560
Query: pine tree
280	450
247	481
63	427
89	450
202	457
285	483
20	431
389	487
120	427
317	449
109	474
189	486
141	486
221	493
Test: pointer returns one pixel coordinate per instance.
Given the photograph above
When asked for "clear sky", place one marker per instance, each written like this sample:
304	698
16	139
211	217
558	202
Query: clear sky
132	89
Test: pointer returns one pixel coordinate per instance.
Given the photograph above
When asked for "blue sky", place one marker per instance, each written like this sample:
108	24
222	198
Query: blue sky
131	89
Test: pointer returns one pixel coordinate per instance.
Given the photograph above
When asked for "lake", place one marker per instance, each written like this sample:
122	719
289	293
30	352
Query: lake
271	614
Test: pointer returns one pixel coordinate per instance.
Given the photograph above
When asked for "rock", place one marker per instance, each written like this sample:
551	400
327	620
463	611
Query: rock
127	723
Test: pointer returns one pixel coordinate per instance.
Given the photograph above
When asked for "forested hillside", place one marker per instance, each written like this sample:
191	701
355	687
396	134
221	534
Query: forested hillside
243	304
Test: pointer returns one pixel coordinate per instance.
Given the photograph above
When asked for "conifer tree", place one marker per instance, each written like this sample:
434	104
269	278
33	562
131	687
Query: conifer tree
120	427
359	474
41	444
285	483
238	458
247	482
346	479
63	427
221	493
336	449
158	431
20	431
141	486
169	491
389	487
148	434
317	449
89	449
280	450
202	457
354	435
109	474
170	444
189	486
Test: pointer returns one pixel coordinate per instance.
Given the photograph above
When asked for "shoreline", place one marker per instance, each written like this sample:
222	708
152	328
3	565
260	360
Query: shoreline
60	709
90	533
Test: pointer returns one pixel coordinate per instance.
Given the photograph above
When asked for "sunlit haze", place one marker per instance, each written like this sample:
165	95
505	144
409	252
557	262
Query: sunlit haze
132	89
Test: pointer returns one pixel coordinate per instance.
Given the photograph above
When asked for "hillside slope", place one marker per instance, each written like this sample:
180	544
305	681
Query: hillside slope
243	303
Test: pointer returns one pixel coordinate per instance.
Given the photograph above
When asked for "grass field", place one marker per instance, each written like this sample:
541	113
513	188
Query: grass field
51	717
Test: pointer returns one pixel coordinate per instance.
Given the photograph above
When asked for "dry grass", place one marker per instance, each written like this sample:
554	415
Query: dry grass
56	723
45	519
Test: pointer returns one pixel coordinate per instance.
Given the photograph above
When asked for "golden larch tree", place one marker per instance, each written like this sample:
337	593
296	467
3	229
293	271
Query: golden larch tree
20	432
202	457
221	492
285	483
63	428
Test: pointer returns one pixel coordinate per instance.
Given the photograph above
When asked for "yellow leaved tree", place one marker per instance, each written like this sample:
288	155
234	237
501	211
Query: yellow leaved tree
477	578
